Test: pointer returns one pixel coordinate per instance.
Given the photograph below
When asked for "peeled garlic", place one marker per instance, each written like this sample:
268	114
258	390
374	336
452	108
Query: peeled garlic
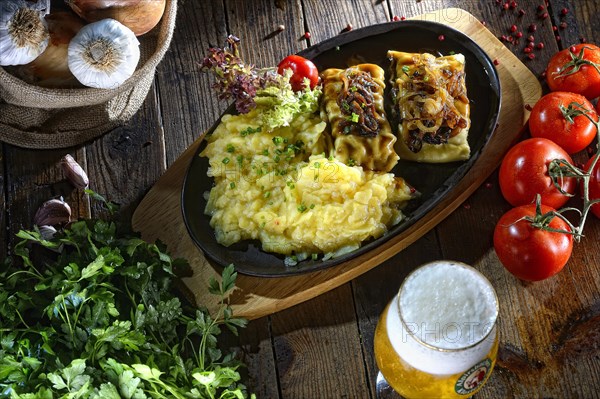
23	31
104	54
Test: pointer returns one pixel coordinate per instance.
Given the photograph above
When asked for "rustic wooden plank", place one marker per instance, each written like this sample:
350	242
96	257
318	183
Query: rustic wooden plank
318	349
122	164
374	289
256	352
3	206
581	22
326	19
187	104
256	22
33	177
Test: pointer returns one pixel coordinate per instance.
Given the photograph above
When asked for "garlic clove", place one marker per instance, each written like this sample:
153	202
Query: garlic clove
47	232
53	212
104	54
23	31
74	172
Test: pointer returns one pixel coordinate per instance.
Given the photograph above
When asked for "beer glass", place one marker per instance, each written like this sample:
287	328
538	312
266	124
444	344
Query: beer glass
437	338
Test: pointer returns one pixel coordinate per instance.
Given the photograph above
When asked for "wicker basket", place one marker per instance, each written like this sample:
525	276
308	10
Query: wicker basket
43	118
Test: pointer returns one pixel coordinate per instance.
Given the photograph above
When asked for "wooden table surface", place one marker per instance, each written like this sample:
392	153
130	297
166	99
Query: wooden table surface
549	330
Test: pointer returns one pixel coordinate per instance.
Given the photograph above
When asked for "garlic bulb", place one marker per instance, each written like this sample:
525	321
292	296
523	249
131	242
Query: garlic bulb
104	54
23	31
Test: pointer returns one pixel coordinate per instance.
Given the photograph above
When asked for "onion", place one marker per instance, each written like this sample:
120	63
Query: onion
51	68
138	15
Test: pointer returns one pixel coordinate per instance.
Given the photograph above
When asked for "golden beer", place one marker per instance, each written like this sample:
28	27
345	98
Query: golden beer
437	338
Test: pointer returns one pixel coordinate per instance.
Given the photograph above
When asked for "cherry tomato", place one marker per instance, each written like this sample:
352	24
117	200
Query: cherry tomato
594	187
529	252
577	70
524	173
553	118
301	68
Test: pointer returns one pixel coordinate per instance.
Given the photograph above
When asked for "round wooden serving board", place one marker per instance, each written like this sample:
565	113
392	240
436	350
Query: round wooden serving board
159	217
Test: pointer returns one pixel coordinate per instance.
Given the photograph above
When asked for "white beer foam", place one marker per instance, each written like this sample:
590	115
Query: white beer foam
448	306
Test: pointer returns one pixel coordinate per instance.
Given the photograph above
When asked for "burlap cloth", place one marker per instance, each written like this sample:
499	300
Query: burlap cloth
37	117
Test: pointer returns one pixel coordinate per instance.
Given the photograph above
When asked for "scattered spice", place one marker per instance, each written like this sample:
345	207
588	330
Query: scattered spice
441	38
496	62
307	35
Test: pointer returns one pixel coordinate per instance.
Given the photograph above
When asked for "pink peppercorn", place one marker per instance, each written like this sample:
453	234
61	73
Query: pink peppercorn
544	15
307	35
441	38
519	34
572	49
530	45
532	28
496	62
540	45
513	4
527	50
521	12
530	38
402	18
531	56
563	25
505	6
541	7
513	28
564	11
396	18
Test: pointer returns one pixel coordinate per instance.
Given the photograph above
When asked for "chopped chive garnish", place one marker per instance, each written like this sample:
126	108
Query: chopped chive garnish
230	148
225	160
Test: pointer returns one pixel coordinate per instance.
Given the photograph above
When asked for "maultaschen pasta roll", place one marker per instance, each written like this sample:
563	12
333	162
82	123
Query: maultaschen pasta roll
431	104
353	106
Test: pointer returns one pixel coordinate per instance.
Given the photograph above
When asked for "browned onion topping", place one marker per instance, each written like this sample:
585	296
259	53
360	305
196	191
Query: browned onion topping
357	103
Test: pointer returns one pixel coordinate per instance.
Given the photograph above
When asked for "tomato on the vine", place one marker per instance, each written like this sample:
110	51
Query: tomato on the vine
577	70
529	252
559	116
594	185
524	172
301	69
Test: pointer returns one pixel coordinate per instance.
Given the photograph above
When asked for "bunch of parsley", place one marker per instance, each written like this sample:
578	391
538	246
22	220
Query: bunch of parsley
101	320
